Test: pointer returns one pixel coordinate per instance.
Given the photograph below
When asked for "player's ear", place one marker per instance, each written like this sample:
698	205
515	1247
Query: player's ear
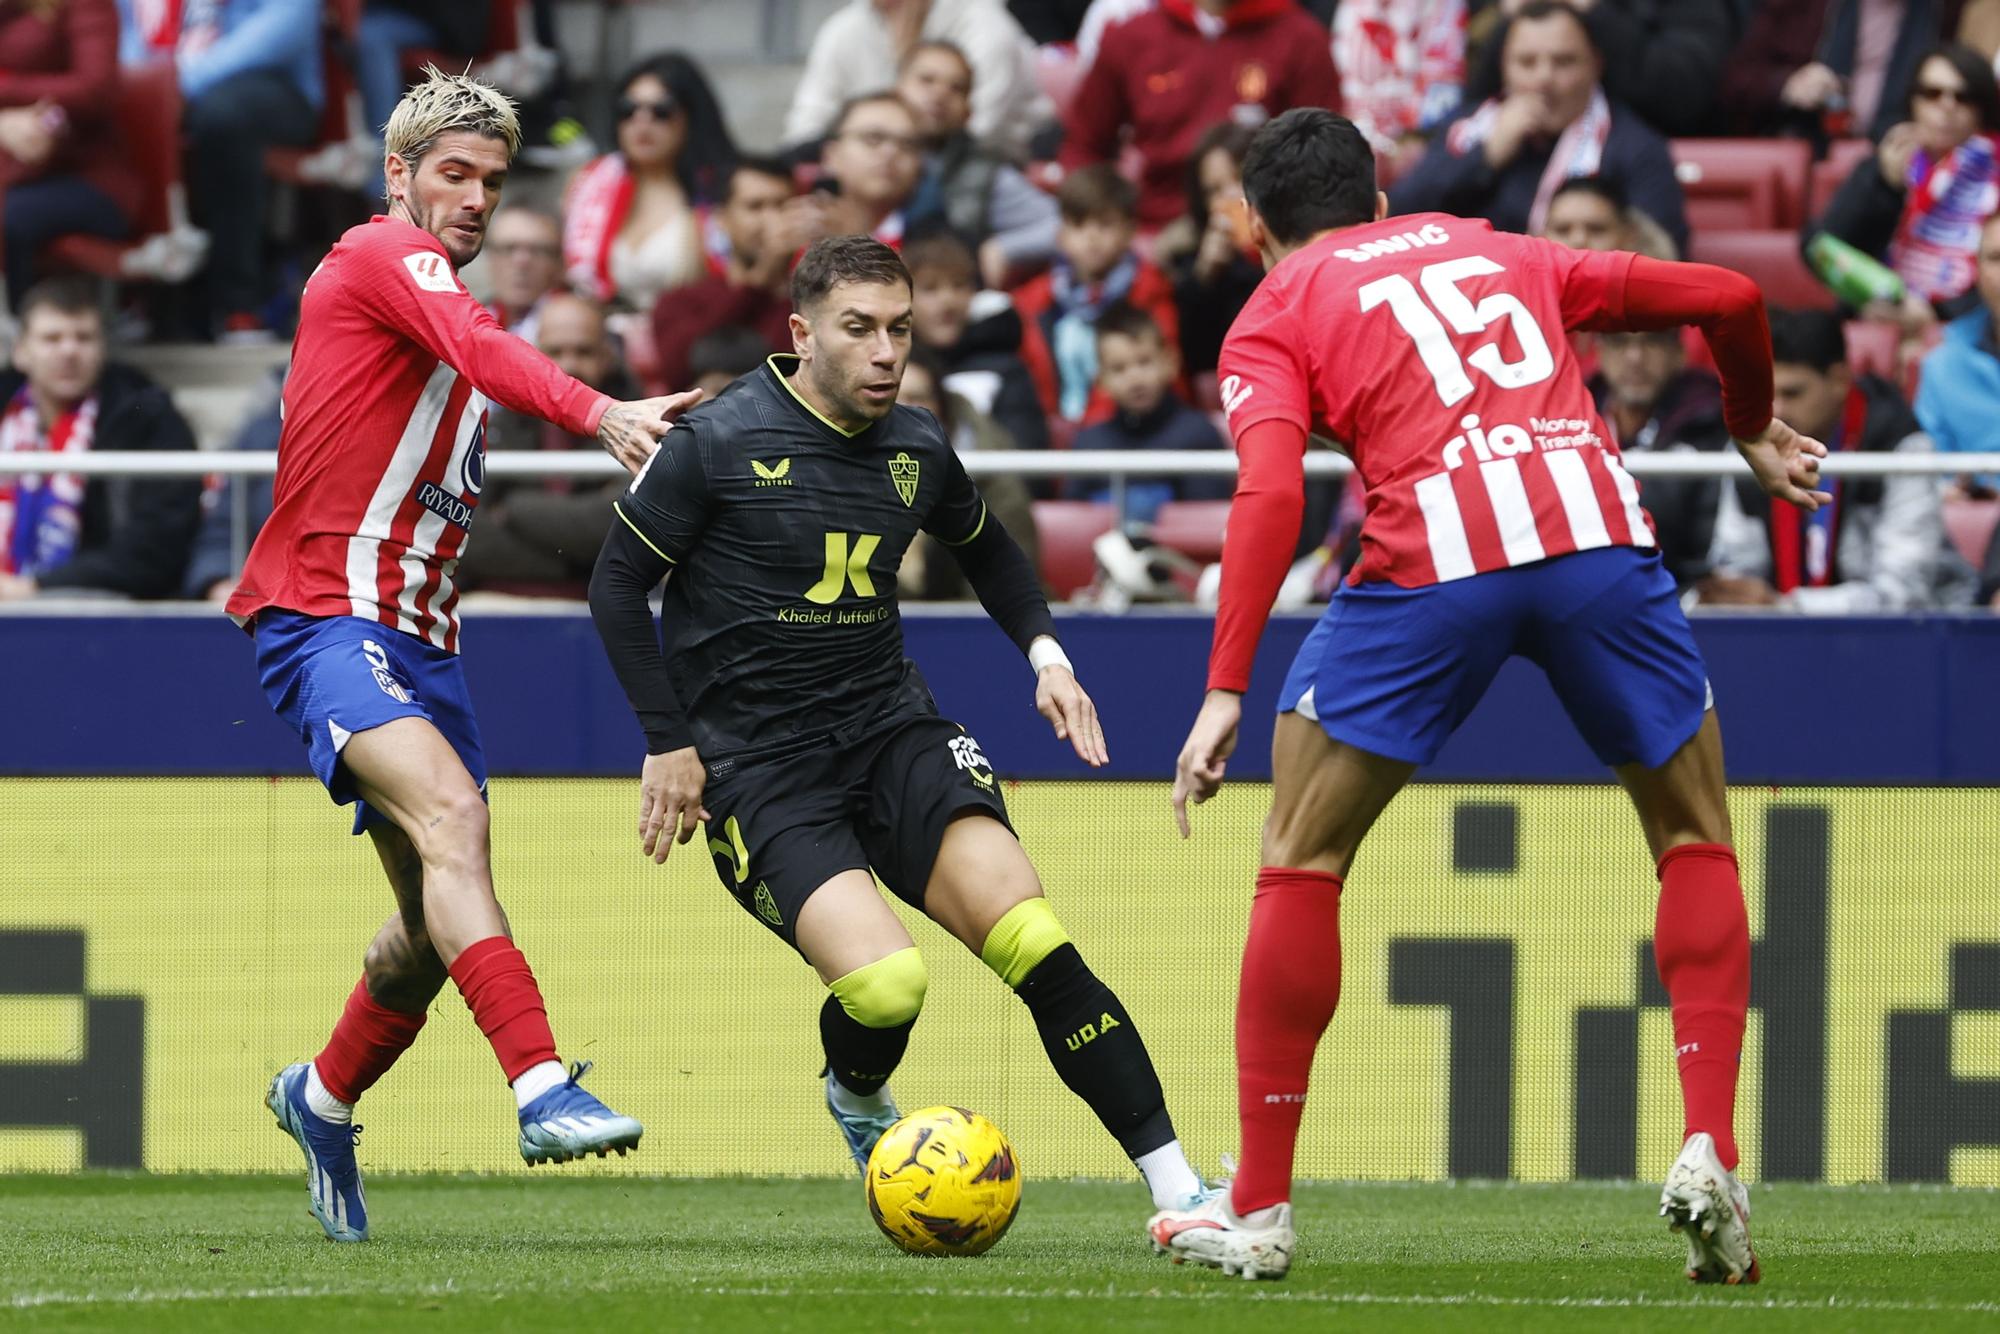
395	174
801	334
1259	234
1381	205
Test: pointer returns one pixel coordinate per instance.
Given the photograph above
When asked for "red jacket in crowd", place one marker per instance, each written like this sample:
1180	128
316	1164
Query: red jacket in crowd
69	60
1167	78
1151	292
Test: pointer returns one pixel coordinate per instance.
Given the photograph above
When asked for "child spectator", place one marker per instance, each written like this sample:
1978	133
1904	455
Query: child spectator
976	336
1136	369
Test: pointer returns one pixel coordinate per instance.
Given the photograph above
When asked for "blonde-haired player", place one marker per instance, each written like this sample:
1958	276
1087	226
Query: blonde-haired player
349	595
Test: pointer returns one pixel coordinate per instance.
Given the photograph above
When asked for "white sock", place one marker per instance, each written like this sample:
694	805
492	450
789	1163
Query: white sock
323	1104
537	1080
849	1103
1168	1175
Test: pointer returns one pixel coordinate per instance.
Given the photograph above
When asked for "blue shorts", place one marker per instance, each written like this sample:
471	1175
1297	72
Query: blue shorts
329	677
1394	671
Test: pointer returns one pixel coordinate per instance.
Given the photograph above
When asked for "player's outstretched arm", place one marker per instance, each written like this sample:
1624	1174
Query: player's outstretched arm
630	432
1787	465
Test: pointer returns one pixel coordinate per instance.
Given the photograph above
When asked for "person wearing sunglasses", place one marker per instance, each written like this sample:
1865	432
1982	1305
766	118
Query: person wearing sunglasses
635	217
1917	203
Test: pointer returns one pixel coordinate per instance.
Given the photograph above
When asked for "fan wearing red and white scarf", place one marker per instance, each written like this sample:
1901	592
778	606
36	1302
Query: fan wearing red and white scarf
1579	150
594	209
1947	201
41	515
179	27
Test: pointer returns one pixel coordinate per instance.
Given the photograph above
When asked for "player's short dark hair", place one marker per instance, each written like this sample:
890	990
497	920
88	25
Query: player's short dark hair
943	249
732	350
937	44
854	104
1598	187
1307	171
843	259
1810	338
66	293
757	164
1097	191
1126	320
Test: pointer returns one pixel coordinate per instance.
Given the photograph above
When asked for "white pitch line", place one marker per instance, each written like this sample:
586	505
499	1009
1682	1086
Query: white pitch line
1215	1293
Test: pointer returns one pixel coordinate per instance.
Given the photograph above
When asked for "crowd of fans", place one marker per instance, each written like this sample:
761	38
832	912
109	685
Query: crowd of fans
1063	180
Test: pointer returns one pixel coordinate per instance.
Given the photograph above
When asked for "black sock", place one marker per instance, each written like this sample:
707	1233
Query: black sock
861	1058
1096	1050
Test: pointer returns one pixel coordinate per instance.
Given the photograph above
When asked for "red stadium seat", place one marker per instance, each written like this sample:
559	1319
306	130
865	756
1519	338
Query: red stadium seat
1875	347
1830	172
1969	524
1742	184
148	116
1065	530
1771	258
1192	527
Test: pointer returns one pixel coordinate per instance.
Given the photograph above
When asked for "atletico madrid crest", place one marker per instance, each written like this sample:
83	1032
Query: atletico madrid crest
903	472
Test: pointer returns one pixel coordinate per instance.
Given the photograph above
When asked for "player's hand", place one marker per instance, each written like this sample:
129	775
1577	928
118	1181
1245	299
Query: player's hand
1061	700
670	787
630	432
1206	753
1787	465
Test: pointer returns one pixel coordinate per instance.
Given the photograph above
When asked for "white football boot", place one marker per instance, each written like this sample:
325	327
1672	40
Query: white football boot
1710	1208
1212	1234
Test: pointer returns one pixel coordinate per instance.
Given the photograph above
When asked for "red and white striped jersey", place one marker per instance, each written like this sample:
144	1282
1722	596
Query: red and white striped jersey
1435	350
383	452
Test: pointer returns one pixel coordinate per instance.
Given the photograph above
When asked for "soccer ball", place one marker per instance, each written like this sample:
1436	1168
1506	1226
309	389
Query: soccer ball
943	1181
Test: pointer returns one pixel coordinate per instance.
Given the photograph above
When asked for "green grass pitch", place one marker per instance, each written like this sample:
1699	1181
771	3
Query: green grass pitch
551	1253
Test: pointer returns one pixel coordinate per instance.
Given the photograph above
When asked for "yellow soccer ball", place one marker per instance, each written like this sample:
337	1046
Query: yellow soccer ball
943	1181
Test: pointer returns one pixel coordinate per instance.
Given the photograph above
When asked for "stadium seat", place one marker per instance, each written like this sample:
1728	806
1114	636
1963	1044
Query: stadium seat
1969	524
1192	527
1771	258
1875	347
1831	171
1742	184
1065	530
148	117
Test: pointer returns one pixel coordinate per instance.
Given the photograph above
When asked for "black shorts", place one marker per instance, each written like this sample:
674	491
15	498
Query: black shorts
782	827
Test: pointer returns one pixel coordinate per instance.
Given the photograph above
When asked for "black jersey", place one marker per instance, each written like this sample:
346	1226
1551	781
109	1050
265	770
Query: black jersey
785	533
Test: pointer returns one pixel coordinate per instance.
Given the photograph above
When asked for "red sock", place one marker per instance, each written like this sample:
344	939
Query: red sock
506	1004
364	1044
1290	986
1701	942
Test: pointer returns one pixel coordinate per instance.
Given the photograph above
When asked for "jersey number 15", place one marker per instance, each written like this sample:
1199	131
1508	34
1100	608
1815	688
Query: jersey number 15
1420	320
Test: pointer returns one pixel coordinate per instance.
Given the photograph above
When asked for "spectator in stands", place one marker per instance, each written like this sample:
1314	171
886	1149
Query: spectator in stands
749	286
870	163
1504	159
1401	65
1169	74
251	80
928	571
974	190
1662	59
719	359
1917	203
975	335
1097	266
1655	404
1209	256
862	44
1958	397
1590	213
1778	42
633	223
61	533
62	168
1860	79
1880	544
524	260
217	557
542	535
1136	367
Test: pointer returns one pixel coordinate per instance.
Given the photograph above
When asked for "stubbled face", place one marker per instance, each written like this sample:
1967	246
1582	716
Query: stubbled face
62	354
652	126
1638	366
1584	221
1551	59
453	190
854	344
938	87
1135	372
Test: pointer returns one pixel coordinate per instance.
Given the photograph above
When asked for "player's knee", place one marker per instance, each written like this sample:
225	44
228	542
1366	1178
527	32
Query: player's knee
453	828
1027	934
887	993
